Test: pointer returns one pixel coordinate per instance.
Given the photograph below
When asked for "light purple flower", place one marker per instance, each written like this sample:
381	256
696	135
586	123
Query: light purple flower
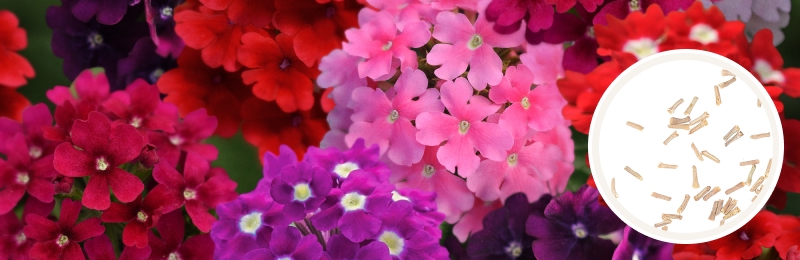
244	224
301	189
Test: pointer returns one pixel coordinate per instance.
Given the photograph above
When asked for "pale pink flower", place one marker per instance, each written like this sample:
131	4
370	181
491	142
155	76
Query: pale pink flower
464	44
378	42
464	129
559	136
472	221
545	61
448	5
405	11
526	168
385	118
452	196
538	108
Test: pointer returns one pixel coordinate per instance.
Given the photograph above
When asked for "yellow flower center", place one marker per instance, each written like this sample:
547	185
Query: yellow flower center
344	169
353	201
302	192
102	164
35	152
475	42
174	256
393	241
393	116
512	159
387	46
514	249
428	170
62	240
23	178
136	122
641	48
703	33
397	197
525	103
141	216
250	223
189	194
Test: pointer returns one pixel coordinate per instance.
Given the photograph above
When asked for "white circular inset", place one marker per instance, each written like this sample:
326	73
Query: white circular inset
642	94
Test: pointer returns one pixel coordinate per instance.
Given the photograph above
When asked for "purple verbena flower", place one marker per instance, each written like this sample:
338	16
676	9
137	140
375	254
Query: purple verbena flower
108	12
502	236
161	21
403	236
288	243
635	245
340	164
245	224
144	63
301	189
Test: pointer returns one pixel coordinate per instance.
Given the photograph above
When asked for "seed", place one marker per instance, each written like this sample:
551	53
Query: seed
727	82
714	210
662	223
660	196
750	176
734	188
727	73
758	182
613	188
716	94
675	106
758	190
683	205
635	125
675	120
664	227
754	198
730	208
727	204
672	136
769	165
710	156
667	166
700	118
734	138
731	132
759	103
666	216
698	126
691	106
758	136
732	213
711	193
702	193
634	173
679	126
696	152
750	162
695	182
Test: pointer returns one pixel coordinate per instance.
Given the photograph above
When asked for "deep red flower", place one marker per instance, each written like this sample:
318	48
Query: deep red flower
790	237
140	215
90	86
188	137
137	106
214	34
59	240
789	179
583	92
267	127
746	242
767	65
317	28
12	103
100	248
65	117
638	36
103	147
277	72
14	69
693	252
171	245
20	173
34	118
193	85
245	12
14	244
704	29
199	188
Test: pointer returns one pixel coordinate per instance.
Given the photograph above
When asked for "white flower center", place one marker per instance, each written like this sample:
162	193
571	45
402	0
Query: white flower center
641	48
393	241
387	46
525	103
579	230
353	201
393	116
189	194
302	192
514	249
136	122
428	170
95	40
344	169
62	240
284	258
250	223
166	12
102	164
463	127
35	152
634	5
141	216
636	255
703	33
512	159
475	42
23	178
174	256
20	238
767	74
397	197
590	32
175	140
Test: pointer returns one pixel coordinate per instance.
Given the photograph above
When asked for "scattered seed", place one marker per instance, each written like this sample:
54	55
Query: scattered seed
727	204
769	165
695	182
727	82
634	173
716	94
710	156
750	176
699	119
750	162
731	132
733	212
635	125
758	182
679	126
754	198
730	208
702	193
759	103
683	205
667	166
758	136
662	223
691	106
661	196
714	210
758	190
672	136
711	193
734	188
696	152
613	188
675	120
734	138
666	216
698	126
675	106
664	227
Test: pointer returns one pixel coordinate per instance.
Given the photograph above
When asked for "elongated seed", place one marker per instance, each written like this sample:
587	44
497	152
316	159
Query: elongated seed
698	126
711	193
661	196
733	212
666	216
727	73
675	120
672	136
699	119
757	183
730	133
695	182
750	162
734	188
754	198
667	166
691	106
769	165
727	204
662	223
759	103
727	82
679	126
634	173
696	152
683	205
710	156
614	188
635	125
734	138
758	190
714	211
664	227
730	208
750	176
675	106
716	95
702	193
758	136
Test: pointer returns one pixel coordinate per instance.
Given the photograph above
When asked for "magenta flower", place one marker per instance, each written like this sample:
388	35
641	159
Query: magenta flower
465	44
244	225
170	244
140	215
378	42
60	240
387	122
34	119
288	243
188	136
525	169
91	85
14	244
341	163
20	173
621	8
199	188
403	238
65	116
137	106
301	189
453	197
536	109
103	147
464	129
100	247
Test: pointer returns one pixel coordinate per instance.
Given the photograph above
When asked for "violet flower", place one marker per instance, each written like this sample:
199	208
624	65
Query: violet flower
144	63
635	245
108	12
288	243
502	236
571	227
245	224
341	164
301	189
402	236
161	21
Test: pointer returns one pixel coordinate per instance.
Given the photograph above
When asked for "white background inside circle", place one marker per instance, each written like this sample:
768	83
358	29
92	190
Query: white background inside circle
643	97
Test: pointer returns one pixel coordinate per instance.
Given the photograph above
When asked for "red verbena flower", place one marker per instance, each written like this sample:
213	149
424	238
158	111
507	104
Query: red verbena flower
639	35
317	28
137	106
20	173
267	127
140	215
171	244
790	237
789	179
100	247
767	65
704	29
12	103
14	244
59	240
14	69
188	137
97	149
245	12
746	242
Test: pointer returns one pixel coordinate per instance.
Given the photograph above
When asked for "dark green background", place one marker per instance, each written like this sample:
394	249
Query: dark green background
239	158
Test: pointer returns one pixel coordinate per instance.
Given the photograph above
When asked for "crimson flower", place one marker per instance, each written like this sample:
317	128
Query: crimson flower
171	245
100	248
245	12
767	65
21	173
790	237
277	72
97	149
583	92
705	29
317	28
14	244
628	37
140	215
12	103
267	127
137	106
188	137
14	69
199	188
746	242
789	179
59	240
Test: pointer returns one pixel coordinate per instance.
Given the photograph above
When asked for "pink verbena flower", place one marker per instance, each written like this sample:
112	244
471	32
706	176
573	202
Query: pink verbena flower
538	109
20	173
560	136
545	61
472	221
465	44
405	11
91	86
527	168
453	197
378	42
60	240
97	149
385	118
464	129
